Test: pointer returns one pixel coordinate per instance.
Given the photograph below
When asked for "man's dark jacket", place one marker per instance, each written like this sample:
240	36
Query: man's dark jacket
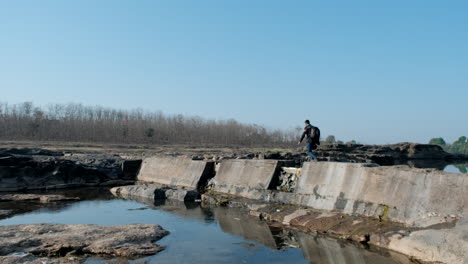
309	131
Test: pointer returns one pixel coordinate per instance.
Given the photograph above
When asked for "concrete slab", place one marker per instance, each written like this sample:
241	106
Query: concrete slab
420	197
175	171
246	178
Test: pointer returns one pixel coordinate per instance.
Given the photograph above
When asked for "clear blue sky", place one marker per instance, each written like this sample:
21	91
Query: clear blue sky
375	71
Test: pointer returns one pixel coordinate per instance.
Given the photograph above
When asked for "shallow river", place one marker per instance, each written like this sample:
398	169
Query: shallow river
221	235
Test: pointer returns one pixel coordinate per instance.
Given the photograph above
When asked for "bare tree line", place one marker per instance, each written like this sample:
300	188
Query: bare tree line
78	123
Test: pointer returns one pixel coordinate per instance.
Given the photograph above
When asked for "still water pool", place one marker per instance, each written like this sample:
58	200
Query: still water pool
215	235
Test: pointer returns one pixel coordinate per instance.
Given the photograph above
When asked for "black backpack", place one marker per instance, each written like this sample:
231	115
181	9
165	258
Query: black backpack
316	138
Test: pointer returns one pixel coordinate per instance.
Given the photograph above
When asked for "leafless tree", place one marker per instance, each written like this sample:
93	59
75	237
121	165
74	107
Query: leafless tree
79	123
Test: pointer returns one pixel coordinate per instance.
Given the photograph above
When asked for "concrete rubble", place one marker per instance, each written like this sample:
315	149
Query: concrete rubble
288	179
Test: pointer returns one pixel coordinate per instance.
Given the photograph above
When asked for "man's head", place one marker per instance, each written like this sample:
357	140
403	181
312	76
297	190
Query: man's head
307	122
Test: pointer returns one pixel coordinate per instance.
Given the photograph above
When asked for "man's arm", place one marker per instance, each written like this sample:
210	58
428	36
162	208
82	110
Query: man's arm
303	135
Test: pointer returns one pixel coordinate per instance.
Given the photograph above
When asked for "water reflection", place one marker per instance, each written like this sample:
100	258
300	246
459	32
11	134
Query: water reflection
209	235
315	248
457	168
434	164
10	208
237	222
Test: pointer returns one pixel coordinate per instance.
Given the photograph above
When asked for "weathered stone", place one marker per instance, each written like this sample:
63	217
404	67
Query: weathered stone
182	195
300	212
154	192
44	198
29	152
207	200
56	240
447	245
30	259
140	190
30	172
393	154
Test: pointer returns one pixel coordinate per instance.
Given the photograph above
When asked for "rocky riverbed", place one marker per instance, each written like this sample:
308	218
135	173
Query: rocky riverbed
24	243
202	235
23	171
32	168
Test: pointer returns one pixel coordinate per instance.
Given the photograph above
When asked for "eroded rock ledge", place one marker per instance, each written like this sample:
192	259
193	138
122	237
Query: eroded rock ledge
59	240
33	169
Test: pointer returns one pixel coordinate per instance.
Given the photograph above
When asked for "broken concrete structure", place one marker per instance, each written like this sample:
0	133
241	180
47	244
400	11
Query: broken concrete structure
177	178
428	200
176	171
418	197
246	178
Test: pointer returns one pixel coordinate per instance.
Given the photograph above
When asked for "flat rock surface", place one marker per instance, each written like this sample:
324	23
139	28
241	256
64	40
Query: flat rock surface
59	240
34	260
45	198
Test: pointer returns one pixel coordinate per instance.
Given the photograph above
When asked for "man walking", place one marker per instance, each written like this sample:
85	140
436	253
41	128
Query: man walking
313	138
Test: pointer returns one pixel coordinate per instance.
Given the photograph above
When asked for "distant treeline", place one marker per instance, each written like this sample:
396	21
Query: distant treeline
460	146
78	123
330	140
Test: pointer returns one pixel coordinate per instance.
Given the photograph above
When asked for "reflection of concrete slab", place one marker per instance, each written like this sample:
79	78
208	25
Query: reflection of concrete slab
325	250
231	220
175	171
189	210
186	209
240	224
